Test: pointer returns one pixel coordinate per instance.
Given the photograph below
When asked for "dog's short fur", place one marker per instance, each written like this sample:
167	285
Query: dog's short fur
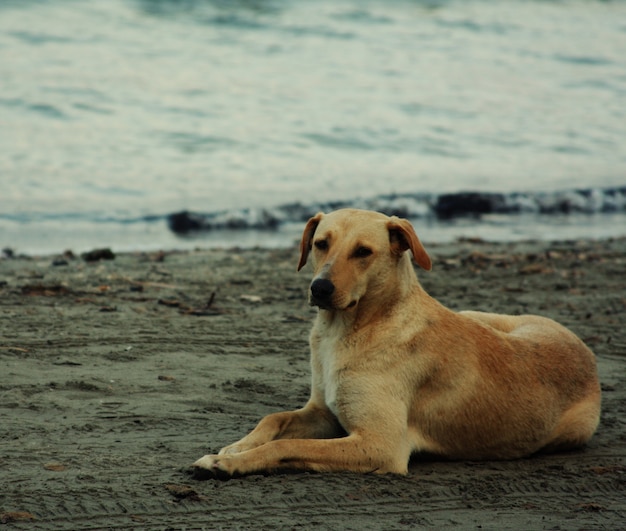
395	372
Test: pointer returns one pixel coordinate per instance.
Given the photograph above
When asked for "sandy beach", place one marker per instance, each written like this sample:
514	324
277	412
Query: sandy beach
118	373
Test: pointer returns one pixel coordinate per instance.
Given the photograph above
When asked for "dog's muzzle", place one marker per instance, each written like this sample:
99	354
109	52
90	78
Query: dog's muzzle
322	291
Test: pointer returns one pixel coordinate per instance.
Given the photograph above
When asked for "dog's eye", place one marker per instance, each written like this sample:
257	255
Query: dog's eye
362	252
322	245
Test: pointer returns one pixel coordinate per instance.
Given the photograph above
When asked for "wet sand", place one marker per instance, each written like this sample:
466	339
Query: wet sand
118	374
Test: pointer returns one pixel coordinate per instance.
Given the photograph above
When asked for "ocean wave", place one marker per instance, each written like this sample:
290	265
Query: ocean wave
411	206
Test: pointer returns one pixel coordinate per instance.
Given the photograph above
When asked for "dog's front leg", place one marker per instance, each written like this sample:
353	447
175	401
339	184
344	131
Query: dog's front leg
310	422
353	453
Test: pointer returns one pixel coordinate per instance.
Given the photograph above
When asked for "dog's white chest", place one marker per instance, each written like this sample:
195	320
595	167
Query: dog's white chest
330	373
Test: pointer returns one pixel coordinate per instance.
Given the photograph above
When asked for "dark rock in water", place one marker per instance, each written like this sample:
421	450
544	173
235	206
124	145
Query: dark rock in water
183	222
468	204
98	254
247	218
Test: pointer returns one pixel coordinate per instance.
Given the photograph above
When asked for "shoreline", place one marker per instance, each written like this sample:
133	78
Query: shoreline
151	237
498	217
119	373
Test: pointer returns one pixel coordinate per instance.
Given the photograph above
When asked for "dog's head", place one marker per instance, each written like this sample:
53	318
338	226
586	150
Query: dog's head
358	254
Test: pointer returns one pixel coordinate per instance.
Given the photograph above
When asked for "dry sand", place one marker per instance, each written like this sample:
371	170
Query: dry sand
116	375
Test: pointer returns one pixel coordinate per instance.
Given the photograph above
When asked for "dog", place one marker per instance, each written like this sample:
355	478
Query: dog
395	372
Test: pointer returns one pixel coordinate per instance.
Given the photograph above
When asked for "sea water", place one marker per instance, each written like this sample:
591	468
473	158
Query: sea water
116	113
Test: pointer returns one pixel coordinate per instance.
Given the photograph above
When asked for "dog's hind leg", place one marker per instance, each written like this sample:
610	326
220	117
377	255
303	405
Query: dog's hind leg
576	426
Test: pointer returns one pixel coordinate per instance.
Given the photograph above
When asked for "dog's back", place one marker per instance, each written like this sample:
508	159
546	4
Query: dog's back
514	385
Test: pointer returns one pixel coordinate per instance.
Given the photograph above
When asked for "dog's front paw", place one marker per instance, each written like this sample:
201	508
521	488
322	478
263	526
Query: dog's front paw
215	465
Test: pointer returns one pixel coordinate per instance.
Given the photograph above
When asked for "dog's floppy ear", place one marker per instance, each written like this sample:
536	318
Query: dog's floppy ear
402	237
307	237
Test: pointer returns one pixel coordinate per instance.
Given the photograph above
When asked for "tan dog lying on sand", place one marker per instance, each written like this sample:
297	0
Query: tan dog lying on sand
395	372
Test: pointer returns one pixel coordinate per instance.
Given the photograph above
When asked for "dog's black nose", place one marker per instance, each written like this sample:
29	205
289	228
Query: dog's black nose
321	291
